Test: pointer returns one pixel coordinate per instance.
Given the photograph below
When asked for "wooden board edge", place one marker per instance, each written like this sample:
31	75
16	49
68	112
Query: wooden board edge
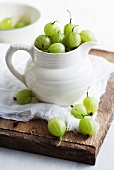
104	135
43	146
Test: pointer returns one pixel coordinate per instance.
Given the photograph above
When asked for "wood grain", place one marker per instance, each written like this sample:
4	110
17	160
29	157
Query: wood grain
33	136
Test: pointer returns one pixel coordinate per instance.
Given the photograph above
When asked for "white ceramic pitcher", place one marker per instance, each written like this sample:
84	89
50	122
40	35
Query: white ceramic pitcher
61	79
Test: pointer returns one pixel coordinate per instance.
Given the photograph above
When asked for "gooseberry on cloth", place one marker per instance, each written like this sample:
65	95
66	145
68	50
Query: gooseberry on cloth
79	111
24	96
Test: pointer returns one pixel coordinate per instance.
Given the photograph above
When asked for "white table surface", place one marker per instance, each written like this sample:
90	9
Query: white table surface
94	15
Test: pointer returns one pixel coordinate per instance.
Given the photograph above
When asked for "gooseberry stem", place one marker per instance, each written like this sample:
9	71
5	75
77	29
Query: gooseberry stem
70	16
60	141
54	22
74	27
87	91
82	115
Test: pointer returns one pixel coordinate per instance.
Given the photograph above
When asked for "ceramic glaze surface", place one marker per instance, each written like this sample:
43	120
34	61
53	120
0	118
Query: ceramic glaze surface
61	79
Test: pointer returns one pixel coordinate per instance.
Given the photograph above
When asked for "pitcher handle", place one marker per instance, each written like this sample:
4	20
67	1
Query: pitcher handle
9	54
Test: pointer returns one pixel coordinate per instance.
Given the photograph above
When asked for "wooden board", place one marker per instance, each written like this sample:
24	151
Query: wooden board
34	137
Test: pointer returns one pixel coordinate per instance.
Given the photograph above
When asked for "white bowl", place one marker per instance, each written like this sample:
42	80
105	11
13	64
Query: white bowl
25	35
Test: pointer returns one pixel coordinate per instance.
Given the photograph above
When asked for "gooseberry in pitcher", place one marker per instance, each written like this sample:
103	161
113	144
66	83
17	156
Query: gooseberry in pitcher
42	42
87	36
51	28
68	27
73	39
56	48
57	38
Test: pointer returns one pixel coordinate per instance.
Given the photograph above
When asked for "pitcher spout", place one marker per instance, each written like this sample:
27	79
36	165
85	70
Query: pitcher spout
85	47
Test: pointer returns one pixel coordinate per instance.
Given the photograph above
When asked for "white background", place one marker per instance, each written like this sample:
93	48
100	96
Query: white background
97	16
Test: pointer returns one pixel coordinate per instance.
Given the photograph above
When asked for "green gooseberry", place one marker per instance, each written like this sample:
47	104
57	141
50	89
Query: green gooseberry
42	42
56	48
79	111
87	36
87	126
73	39
68	27
51	28
91	104
21	24
6	24
57	127
24	96
57	38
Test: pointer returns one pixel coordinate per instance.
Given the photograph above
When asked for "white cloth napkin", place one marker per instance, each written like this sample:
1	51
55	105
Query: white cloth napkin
9	85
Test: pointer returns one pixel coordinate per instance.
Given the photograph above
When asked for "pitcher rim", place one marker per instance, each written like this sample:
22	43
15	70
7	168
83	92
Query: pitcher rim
69	52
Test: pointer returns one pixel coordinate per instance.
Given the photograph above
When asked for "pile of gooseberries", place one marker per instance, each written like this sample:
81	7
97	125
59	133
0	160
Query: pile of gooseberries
84	112
7	24
57	126
87	125
56	41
